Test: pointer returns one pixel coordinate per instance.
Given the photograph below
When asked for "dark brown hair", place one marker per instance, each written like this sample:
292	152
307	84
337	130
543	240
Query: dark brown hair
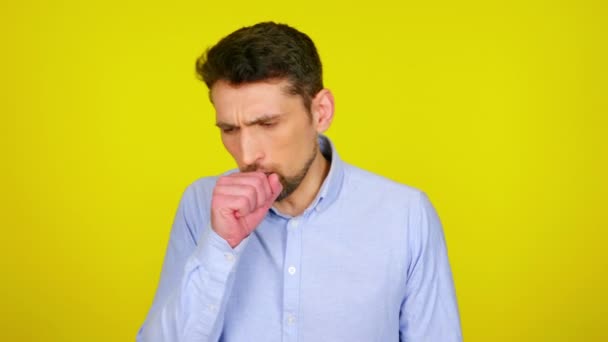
261	52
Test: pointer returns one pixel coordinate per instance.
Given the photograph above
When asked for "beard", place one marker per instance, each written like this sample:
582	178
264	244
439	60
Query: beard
289	183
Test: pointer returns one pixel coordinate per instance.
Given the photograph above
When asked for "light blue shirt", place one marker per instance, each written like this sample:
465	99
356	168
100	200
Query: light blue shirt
366	261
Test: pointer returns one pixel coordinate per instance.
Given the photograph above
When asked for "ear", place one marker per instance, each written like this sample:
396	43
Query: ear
322	108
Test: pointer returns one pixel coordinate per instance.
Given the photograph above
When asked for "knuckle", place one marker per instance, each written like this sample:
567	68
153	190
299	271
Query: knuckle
218	190
259	182
250	190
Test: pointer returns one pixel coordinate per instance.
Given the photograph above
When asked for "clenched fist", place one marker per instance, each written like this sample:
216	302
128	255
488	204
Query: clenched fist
239	203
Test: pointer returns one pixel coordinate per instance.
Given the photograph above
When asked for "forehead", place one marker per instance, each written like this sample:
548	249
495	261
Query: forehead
251	97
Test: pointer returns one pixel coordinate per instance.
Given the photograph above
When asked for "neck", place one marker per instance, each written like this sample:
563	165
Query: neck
302	197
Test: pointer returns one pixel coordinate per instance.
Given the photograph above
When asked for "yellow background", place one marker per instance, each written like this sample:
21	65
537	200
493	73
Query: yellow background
496	109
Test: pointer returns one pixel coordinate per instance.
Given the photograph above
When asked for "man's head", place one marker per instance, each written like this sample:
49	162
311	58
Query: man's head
265	83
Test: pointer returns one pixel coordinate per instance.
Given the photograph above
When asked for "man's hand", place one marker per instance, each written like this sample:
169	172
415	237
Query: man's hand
240	202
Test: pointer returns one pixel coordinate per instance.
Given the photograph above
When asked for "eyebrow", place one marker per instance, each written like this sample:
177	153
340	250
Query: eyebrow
258	120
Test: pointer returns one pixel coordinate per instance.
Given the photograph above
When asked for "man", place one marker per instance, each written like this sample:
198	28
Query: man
296	245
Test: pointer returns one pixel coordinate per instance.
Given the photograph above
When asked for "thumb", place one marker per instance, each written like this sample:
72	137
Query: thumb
276	187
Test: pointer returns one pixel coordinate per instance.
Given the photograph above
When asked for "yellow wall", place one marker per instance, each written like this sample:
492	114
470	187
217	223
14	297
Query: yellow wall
497	110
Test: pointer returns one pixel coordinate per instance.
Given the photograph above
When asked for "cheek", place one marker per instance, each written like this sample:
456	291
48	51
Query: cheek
285	142
294	146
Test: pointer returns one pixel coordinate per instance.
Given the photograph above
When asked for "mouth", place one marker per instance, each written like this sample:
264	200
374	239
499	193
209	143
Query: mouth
267	173
259	169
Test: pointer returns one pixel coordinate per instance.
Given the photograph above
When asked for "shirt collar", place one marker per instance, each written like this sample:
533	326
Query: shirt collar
332	184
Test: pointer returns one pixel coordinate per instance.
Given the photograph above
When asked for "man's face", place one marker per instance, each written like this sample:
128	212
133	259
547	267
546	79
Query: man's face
266	129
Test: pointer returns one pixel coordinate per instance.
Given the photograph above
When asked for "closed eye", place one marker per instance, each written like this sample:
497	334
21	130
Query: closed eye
268	124
229	130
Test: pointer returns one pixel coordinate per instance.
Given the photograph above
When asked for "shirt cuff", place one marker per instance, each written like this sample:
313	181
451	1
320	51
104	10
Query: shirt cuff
215	255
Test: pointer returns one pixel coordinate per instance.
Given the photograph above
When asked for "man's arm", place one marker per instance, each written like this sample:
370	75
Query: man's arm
197	278
195	283
429	311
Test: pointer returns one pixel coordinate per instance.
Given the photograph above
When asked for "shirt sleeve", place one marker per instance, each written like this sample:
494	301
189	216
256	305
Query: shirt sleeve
429	311
195	283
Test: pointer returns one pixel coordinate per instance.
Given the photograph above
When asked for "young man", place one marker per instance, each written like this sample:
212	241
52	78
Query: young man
296	245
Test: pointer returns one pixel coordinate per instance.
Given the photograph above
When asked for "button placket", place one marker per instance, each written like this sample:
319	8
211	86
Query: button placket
291	280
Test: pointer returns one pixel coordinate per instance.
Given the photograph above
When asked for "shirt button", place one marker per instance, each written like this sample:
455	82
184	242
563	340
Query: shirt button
291	319
291	270
229	257
293	223
212	307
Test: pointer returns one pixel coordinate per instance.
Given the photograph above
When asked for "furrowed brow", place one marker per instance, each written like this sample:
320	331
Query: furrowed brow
263	118
258	120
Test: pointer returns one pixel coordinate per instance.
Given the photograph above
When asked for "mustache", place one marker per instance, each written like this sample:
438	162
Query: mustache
256	168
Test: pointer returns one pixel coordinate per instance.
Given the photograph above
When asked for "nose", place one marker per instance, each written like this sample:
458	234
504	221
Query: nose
251	149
